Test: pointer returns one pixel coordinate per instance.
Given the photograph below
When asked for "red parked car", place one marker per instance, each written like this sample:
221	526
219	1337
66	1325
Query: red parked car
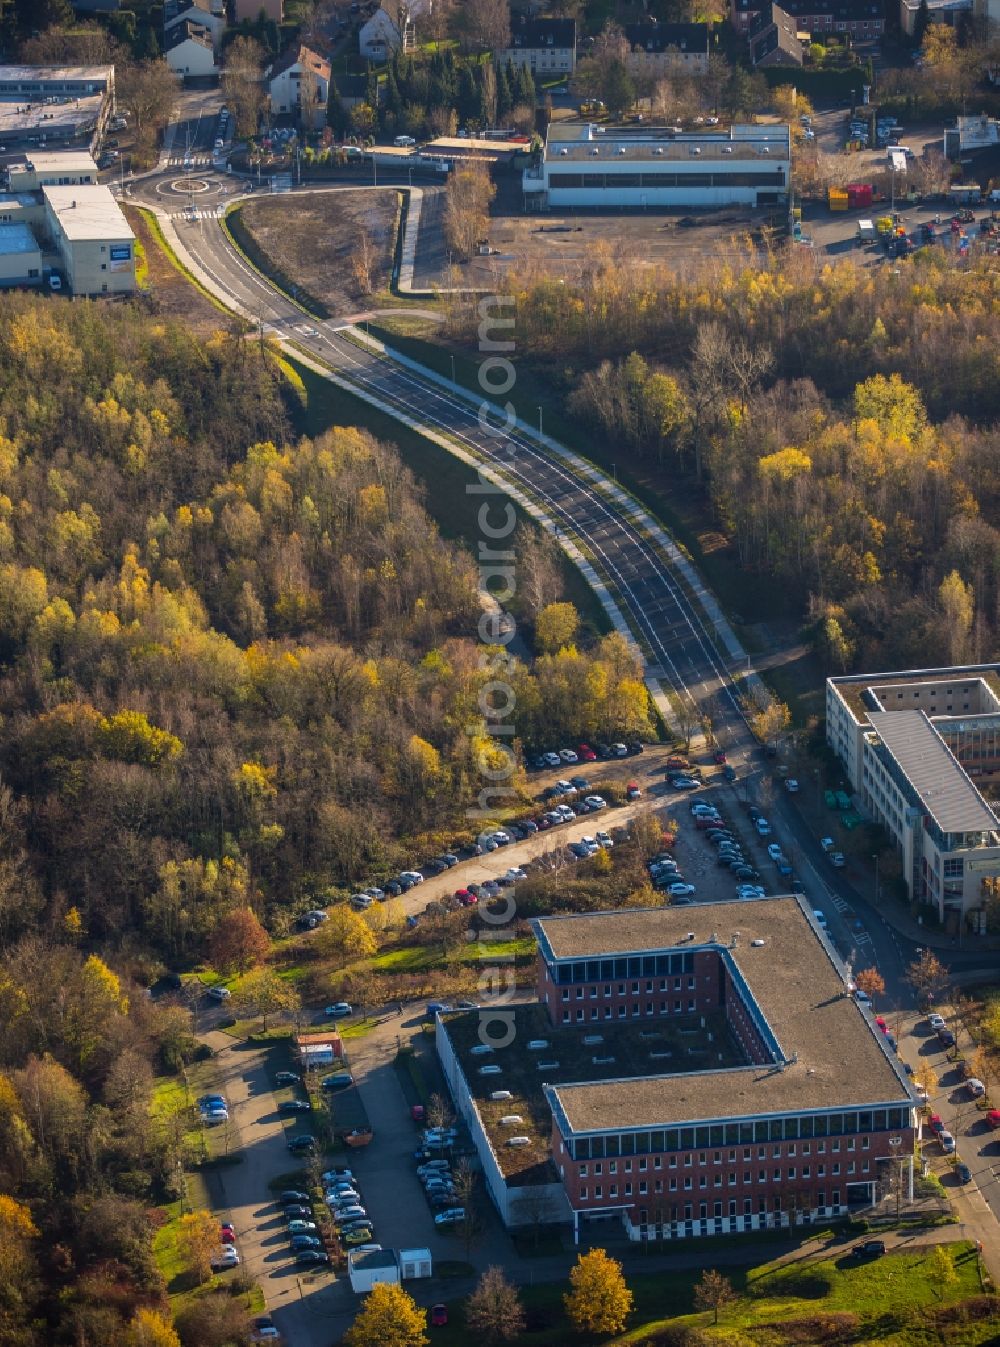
585	753
993	1119
418	1113
720	758
935	1124
439	1316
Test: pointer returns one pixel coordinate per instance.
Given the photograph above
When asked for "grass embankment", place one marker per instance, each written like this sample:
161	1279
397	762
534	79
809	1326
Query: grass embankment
449	502
892	1301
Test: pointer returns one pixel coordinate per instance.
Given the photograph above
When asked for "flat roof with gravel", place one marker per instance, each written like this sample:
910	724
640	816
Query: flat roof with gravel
833	1055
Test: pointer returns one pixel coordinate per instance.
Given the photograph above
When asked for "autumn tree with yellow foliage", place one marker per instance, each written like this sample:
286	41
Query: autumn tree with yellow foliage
599	1301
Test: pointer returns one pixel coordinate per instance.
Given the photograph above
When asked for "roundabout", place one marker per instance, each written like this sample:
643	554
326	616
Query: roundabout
185	188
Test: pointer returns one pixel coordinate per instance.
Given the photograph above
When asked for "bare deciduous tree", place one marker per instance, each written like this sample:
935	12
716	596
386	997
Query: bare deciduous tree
485	24
469	193
243	83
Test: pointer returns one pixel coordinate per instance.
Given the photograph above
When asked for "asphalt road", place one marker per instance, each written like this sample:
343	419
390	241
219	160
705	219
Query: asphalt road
673	629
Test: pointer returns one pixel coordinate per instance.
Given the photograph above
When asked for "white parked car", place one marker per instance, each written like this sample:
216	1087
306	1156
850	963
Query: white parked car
414	876
774	851
820	918
552	759
763	827
680	890
791	785
568	755
975	1087
936	1022
605	840
596	802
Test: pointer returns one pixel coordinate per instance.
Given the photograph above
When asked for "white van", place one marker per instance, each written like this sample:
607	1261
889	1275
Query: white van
404	142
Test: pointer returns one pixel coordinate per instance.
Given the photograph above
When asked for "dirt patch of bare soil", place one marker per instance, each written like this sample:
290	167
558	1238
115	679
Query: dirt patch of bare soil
337	245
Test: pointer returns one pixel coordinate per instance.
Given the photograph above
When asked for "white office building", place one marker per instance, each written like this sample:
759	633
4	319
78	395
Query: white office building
90	234
911	743
650	167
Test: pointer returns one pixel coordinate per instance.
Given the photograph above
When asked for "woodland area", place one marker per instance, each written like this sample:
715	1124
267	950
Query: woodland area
232	672
237	670
839	422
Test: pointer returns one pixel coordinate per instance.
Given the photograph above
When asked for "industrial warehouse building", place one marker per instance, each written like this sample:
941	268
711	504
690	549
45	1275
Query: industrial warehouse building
911	743
55	106
648	167
688	1071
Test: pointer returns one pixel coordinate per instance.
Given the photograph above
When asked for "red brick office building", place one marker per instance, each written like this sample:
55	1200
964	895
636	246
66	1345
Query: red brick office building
817	1116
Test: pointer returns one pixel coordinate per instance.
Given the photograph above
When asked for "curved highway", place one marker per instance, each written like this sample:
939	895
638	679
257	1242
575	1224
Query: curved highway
672	628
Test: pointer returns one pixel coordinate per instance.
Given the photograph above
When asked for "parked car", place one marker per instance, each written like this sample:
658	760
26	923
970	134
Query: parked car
301	1227
683	783
451	1216
946	1038
295	1106
872	1248
936	1022
303	1145
439	1316
763	827
286	1078
298	1212
963	1173
312	1258
947	1142
293	1195
219	993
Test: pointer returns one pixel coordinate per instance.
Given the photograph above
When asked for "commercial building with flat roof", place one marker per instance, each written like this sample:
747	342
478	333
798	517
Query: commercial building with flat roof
93	239
54	106
648	167
52	168
911	743
706	1070
20	256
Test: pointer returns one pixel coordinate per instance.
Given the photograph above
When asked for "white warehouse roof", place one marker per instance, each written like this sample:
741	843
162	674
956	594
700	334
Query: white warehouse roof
66	161
589	142
87	213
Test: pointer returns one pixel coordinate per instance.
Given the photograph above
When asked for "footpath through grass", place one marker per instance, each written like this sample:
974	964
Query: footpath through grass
893	1300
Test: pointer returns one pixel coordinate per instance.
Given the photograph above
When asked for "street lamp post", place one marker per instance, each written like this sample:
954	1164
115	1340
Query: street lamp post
875	859
453	379
540	431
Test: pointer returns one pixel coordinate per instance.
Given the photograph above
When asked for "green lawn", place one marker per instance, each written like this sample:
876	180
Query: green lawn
891	1301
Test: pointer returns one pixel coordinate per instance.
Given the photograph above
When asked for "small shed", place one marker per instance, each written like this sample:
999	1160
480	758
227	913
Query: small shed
319	1049
415	1263
366	1268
